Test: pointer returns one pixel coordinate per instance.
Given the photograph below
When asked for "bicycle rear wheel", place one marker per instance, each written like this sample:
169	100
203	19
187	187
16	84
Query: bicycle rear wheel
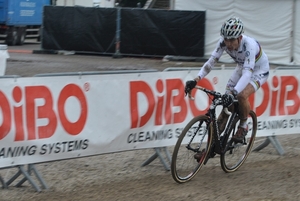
235	154
196	137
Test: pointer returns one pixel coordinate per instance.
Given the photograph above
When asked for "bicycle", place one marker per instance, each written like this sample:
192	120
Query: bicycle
202	135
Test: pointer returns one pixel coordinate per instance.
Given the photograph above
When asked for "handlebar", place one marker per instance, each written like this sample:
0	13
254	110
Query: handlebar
216	95
213	93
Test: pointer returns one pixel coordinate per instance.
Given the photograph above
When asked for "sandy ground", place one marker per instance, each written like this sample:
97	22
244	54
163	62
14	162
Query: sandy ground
266	175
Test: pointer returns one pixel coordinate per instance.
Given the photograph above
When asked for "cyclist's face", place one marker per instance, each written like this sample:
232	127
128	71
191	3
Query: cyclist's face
232	44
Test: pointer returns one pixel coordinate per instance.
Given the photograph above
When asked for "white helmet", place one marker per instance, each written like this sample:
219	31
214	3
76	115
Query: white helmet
232	28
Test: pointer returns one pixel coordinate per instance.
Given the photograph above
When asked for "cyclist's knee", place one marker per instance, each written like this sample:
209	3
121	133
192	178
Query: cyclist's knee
241	97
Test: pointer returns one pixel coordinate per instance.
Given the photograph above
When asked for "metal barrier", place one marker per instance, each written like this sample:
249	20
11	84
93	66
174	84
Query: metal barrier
160	156
31	167
9	76
273	140
291	67
3	182
93	73
27	177
158	150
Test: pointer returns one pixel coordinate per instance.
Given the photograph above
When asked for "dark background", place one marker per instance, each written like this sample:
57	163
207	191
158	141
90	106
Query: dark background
149	32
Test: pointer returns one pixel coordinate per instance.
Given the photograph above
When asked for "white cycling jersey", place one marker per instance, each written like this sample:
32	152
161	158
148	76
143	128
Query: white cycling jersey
252	64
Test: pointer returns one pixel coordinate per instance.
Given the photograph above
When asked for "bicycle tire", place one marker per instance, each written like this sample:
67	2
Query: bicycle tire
235	154
184	166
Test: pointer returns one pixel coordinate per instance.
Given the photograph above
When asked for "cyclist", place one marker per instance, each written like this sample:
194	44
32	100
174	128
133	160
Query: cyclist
251	72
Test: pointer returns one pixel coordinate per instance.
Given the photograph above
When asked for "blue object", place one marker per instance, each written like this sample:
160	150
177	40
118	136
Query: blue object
22	12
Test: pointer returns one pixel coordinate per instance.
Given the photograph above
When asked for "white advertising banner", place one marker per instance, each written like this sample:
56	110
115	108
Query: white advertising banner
52	118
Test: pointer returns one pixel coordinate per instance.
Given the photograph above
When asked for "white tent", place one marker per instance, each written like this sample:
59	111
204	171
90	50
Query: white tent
297	33
274	23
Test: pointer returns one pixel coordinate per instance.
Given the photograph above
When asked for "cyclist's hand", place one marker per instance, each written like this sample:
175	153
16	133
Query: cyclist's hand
227	99
189	85
234	92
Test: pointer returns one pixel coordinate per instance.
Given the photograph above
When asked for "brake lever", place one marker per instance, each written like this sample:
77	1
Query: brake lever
190	96
227	111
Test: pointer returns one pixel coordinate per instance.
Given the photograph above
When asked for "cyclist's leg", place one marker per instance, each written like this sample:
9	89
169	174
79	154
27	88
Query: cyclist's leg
244	105
244	109
223	117
222	120
257	79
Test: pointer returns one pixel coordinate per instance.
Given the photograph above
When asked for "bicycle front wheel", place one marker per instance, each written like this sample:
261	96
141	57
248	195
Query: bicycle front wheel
235	154
195	138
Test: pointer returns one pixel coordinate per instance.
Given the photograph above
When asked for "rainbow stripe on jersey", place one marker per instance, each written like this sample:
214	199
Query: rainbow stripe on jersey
258	55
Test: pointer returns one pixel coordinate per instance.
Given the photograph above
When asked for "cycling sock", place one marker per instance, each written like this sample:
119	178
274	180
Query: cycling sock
243	123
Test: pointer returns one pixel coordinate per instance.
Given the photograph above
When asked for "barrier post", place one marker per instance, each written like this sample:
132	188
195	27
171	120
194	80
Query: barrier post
3	182
117	54
273	140
27	176
158	154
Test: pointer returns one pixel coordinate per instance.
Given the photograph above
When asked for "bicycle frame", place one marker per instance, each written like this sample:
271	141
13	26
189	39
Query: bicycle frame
219	144
220	140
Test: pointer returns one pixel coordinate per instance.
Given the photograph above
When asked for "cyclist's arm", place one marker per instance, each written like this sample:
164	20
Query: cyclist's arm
206	68
215	56
248	66
244	80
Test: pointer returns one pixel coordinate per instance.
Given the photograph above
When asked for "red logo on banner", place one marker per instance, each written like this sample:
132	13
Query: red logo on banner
281	98
167	95
26	112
